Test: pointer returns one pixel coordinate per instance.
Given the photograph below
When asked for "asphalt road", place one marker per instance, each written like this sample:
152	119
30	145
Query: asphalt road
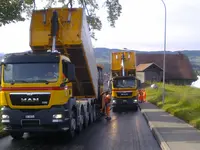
126	131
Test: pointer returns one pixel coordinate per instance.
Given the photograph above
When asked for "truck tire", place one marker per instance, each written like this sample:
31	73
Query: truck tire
72	125
91	115
94	113
114	109
81	121
86	121
17	135
136	108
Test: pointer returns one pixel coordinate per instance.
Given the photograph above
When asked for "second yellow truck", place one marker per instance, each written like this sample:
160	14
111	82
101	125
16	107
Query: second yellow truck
124	83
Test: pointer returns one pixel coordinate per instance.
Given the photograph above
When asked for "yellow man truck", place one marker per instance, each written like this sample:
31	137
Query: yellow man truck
56	86
124	83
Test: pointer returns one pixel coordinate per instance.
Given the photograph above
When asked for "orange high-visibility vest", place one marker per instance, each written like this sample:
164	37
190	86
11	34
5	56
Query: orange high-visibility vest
144	94
140	96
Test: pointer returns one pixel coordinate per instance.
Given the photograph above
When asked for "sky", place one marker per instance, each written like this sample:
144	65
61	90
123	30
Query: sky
140	27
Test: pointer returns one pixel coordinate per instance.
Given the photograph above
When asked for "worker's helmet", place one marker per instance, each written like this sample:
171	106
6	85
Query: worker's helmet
108	97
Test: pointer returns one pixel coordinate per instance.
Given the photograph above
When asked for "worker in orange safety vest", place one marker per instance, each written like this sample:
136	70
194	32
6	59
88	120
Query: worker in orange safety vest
103	95
108	105
144	95
140	95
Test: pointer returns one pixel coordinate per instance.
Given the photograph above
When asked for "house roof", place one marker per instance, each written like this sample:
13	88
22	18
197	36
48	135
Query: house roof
178	66
142	67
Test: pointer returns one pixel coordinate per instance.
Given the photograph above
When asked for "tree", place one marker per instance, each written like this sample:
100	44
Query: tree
13	10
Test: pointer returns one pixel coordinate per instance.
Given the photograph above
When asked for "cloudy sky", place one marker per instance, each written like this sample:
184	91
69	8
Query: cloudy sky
140	27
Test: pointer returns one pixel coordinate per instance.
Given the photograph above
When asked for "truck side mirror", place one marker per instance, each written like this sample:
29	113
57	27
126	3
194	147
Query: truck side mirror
138	83
71	72
109	84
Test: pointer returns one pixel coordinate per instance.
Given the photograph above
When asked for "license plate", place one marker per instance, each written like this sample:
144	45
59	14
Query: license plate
30	116
124	101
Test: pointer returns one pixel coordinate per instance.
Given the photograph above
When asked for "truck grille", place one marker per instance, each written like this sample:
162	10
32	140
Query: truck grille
124	93
29	99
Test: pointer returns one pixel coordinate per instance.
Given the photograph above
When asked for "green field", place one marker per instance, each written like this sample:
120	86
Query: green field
1	127
181	101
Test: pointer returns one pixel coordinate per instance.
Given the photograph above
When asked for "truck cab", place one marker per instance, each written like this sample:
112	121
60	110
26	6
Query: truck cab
124	92
36	92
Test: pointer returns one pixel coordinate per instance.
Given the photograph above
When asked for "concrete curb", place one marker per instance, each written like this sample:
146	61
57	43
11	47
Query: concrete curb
157	135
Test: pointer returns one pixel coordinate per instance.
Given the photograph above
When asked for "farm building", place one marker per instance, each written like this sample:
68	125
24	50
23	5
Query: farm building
178	68
149	72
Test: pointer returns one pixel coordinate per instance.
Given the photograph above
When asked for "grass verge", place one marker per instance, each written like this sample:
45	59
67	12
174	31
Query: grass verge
181	101
2	133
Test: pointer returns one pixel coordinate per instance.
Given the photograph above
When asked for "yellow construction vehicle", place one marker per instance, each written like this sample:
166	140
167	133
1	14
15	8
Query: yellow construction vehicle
57	85
123	82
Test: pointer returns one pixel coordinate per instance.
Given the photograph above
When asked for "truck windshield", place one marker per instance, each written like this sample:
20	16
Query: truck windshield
124	83
31	72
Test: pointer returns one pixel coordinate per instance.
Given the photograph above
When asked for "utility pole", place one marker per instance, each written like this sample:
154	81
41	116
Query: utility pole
164	59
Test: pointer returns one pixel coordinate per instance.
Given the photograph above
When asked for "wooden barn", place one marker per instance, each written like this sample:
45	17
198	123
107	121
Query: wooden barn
149	72
178	68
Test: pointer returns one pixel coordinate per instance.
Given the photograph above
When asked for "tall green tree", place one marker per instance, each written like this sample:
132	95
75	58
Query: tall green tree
14	10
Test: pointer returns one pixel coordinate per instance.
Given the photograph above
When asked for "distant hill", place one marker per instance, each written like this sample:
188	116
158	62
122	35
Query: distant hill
103	56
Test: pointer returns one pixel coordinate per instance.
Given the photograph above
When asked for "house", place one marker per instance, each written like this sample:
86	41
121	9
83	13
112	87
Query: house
149	72
178	67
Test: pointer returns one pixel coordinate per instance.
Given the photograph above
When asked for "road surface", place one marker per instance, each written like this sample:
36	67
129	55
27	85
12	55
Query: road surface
126	131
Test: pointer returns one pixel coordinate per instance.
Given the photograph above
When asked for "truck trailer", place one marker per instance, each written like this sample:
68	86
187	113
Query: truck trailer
56	86
123	82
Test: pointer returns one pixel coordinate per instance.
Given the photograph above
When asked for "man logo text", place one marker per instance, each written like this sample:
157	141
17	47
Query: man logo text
29	99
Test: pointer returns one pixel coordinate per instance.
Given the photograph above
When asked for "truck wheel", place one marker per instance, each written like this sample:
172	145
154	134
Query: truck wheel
91	115
17	135
136	108
86	121
72	126
81	121
114	109
94	113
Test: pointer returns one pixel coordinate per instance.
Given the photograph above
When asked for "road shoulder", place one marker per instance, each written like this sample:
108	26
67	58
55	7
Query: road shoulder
170	132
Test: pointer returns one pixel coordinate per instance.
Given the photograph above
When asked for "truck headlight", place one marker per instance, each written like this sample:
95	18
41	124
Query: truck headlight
114	101
5	117
57	116
135	100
